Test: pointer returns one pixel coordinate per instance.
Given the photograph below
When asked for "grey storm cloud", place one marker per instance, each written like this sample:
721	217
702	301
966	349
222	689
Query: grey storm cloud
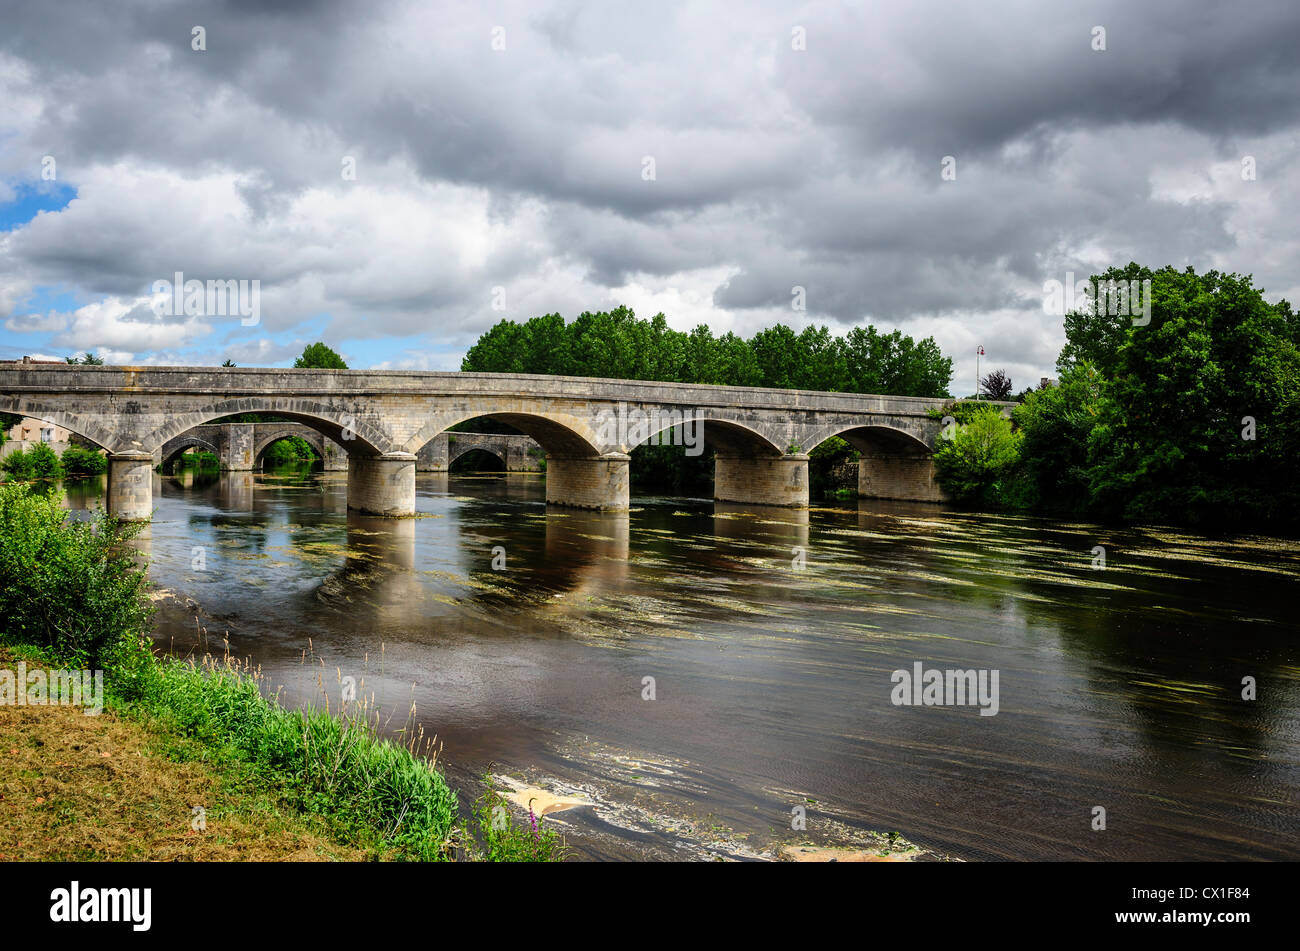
774	167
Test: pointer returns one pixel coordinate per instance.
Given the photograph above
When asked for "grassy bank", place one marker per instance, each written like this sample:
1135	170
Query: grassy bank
73	596
108	787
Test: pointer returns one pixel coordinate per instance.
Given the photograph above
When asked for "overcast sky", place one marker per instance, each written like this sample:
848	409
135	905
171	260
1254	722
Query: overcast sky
524	168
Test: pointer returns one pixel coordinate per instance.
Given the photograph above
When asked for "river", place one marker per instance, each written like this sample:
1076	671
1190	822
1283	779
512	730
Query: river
771	637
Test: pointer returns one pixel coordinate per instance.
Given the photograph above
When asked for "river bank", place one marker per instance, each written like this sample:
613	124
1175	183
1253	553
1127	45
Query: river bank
110	788
582	812
1120	684
186	750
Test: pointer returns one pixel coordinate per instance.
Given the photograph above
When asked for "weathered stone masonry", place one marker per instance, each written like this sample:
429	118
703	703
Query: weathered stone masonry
387	420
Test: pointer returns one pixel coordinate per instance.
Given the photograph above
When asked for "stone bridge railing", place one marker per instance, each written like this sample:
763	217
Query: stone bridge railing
586	427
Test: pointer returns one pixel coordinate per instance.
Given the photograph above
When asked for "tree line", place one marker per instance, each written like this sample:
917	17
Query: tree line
1192	417
615	344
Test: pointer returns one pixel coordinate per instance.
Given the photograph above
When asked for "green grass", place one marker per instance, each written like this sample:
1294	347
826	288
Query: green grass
74	594
377	794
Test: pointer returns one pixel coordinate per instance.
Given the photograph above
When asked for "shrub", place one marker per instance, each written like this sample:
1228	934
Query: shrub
290	449
80	461
45	462
38	461
1057	423
18	464
509	841
977	466
198	459
71	586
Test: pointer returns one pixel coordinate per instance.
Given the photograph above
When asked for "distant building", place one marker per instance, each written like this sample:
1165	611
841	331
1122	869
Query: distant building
27	432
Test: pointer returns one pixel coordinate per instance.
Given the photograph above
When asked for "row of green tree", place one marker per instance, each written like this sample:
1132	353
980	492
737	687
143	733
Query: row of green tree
1192	418
617	345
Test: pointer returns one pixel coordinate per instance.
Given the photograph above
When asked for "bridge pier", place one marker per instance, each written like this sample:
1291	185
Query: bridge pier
762	480
237	447
334	458
382	485
130	486
599	483
904	476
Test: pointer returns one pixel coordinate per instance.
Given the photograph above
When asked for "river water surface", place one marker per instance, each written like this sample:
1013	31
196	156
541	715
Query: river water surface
1118	687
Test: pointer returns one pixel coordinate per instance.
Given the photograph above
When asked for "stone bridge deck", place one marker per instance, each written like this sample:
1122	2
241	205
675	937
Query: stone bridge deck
585	426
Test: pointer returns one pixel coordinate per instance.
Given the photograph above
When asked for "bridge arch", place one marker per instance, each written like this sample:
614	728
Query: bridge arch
453	455
313	438
176	447
329	421
558	434
875	437
724	436
895	463
86	429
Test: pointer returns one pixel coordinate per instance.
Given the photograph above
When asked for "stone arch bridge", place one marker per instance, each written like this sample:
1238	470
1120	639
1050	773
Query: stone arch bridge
586	427
241	447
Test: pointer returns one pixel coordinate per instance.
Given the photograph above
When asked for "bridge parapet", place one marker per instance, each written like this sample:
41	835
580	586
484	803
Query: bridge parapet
585	426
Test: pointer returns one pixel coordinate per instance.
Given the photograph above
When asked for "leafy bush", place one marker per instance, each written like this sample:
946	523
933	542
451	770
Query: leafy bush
18	464
290	449
199	459
1056	423
75	590
80	461
68	585
38	461
976	466
823	459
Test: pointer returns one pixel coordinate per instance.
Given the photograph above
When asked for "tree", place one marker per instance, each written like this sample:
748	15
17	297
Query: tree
7	422
318	356
1056	422
1199	420
228	363
86	359
976	464
996	386
617	345
1094	335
